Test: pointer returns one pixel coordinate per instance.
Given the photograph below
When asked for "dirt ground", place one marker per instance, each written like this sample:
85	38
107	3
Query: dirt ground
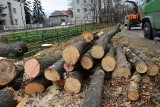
115	90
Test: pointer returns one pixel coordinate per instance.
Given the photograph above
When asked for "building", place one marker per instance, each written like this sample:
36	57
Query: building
57	17
81	9
15	14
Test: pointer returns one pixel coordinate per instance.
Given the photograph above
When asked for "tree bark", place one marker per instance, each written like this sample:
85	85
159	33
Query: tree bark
35	67
8	72
73	83
93	96
36	86
13	50
108	63
71	54
152	69
139	65
133	90
123	66
100	46
55	72
8	97
17	82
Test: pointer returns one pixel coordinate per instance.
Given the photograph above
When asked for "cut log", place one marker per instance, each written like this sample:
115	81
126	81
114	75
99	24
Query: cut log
152	68
68	67
17	82
133	90
38	85
73	83
23	101
8	72
108	63
8	97
71	54
100	46
55	72
123	66
46	46
139	65
13	50
87	61
35	67
93	96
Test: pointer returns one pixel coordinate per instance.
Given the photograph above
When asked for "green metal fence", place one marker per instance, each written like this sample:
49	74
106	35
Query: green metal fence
55	36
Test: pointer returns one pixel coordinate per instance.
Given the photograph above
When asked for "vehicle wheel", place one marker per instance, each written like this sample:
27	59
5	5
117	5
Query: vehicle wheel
147	30
128	27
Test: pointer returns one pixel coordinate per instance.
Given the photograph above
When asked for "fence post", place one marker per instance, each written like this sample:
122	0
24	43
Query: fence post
58	39
19	38
43	38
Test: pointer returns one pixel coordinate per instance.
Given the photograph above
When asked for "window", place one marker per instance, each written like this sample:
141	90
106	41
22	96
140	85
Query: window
14	10
16	21
84	1
91	1
78	10
85	9
77	1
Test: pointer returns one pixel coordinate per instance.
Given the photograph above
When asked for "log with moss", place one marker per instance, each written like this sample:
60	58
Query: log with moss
108	63
55	72
37	85
8	97
139	65
8	72
100	46
71	54
133	89
73	83
35	66
123	66
13	50
93	96
152	68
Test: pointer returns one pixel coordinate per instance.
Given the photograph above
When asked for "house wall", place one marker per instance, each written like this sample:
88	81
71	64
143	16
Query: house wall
15	14
57	19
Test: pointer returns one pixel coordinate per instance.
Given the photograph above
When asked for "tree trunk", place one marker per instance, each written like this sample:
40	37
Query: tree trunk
87	61
8	97
55	72
36	86
100	46
133	90
108	63
93	96
139	65
152	69
73	83
35	67
8	72
123	66
13	50
72	53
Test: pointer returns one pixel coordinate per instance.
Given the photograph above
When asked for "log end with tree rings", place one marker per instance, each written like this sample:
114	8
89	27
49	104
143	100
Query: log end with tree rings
7	72
108	63
86	62
71	55
121	72
88	37
152	70
133	96
34	88
141	67
68	67
52	74
97	51
72	85
32	68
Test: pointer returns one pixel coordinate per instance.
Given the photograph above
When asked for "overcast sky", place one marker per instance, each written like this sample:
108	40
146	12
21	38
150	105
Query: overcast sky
50	6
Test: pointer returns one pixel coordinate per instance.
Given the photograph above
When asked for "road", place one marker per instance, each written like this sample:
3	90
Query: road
138	33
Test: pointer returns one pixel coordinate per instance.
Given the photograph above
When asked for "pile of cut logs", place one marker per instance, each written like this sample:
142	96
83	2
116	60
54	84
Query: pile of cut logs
93	54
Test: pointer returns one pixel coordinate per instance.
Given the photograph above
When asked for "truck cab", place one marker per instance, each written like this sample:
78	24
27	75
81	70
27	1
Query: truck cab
151	18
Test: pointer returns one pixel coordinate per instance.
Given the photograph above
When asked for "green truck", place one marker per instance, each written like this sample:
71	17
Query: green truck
151	18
